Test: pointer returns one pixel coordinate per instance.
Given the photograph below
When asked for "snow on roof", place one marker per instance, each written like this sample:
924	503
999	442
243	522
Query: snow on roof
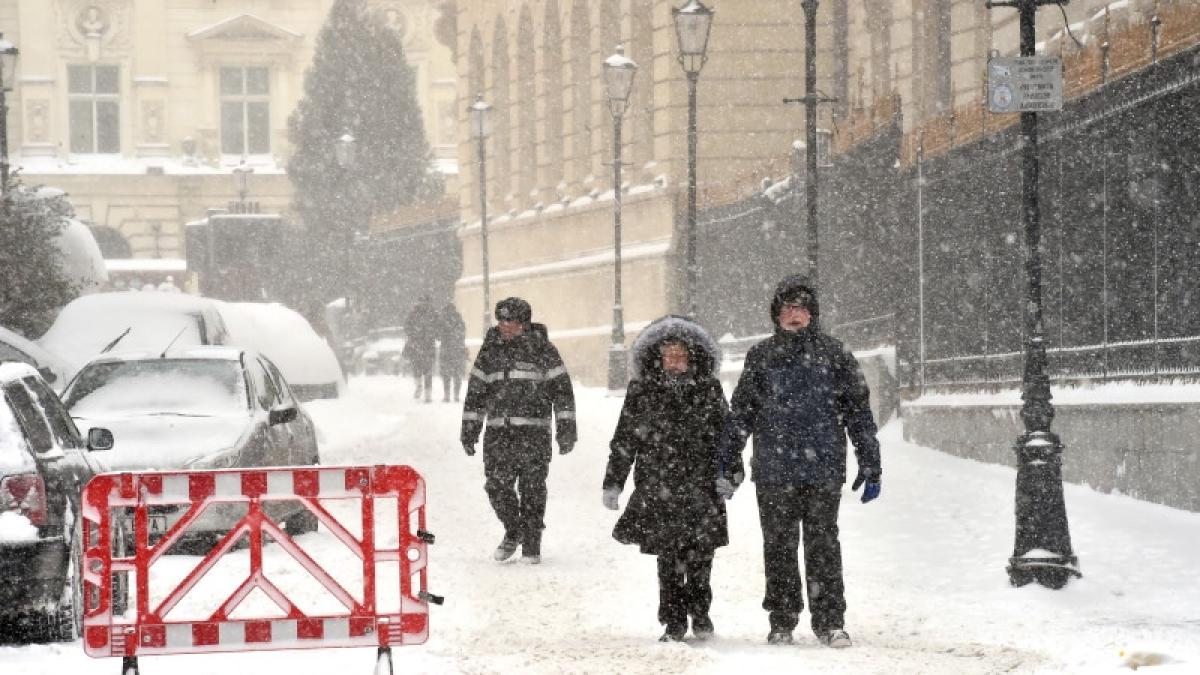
286	338
90	322
117	164
14	371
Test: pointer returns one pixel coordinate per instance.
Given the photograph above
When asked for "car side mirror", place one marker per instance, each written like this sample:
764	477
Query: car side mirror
47	374
283	415
99	439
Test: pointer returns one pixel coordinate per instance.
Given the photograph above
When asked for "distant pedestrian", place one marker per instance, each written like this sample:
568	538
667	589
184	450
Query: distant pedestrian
452	350
800	393
670	424
420	346
517	383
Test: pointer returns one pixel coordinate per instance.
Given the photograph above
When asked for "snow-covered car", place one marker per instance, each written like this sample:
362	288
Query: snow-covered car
289	340
383	352
44	465
124	320
16	349
196	408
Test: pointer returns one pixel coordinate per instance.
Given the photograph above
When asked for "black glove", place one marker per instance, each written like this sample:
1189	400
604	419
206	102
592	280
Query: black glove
564	448
873	481
469	448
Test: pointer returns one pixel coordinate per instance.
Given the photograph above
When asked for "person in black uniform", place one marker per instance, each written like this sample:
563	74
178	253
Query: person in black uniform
517	383
667	434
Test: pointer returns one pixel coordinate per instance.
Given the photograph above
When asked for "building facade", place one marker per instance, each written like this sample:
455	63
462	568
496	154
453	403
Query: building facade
915	66
141	109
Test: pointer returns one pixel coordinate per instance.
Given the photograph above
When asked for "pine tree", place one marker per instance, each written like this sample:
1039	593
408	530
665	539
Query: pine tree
33	285
359	83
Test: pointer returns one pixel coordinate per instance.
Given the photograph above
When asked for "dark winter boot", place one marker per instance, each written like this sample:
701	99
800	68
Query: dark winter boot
838	639
702	627
782	625
506	549
674	633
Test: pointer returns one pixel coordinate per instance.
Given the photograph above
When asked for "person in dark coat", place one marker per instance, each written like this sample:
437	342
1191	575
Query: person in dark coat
420	346
518	382
672	418
800	393
452	350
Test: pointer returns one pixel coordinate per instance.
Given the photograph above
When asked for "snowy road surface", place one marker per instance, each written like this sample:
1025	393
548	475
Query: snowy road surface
926	586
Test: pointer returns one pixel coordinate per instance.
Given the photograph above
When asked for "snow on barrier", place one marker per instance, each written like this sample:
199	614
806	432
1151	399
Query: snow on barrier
256	584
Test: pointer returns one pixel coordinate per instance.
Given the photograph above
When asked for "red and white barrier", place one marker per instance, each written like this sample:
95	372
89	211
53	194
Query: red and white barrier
147	629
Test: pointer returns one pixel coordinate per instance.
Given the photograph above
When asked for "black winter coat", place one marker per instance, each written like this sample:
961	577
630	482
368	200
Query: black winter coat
519	383
668	434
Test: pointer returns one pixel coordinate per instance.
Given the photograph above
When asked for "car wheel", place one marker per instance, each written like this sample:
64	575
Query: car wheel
64	621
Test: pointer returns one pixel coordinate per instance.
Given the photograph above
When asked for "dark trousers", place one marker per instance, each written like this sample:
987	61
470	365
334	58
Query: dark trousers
516	462
683	587
447	380
423	382
782	511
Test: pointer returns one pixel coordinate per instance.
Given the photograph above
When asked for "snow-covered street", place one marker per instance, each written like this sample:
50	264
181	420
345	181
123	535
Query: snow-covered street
926	585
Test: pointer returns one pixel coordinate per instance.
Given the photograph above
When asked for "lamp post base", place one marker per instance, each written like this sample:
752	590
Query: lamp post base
1043	543
618	367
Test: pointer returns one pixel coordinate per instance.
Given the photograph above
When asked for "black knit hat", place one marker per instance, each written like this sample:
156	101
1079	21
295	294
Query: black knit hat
514	309
794	288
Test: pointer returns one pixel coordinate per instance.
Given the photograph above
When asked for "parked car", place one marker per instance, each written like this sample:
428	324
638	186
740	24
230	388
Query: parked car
288	340
44	465
383	352
17	349
132	321
197	408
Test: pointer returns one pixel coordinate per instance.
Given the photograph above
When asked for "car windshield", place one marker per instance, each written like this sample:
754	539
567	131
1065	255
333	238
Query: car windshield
201	387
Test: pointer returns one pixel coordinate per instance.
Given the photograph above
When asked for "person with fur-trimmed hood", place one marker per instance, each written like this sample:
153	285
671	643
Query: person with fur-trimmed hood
800	394
517	383
667	434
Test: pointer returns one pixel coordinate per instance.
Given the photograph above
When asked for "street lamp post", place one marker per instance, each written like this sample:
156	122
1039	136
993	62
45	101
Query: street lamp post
618	74
345	152
692	23
1042	550
479	119
8	76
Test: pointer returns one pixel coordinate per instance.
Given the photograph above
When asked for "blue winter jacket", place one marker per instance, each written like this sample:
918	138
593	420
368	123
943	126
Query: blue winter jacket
799	394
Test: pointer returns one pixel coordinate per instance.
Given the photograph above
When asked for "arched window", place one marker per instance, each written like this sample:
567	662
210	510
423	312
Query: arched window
581	92
112	243
527	168
501	114
552	149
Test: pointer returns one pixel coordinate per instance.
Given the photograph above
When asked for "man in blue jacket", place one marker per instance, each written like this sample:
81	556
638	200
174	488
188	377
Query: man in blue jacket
800	393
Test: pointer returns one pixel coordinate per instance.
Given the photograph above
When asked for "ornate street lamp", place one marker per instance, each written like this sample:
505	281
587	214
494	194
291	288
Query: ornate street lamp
479	119
8	77
692	24
618	72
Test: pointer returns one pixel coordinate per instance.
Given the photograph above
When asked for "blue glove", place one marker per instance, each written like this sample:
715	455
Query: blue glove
873	482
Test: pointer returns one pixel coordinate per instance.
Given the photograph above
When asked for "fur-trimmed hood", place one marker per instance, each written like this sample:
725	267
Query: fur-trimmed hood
703	351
